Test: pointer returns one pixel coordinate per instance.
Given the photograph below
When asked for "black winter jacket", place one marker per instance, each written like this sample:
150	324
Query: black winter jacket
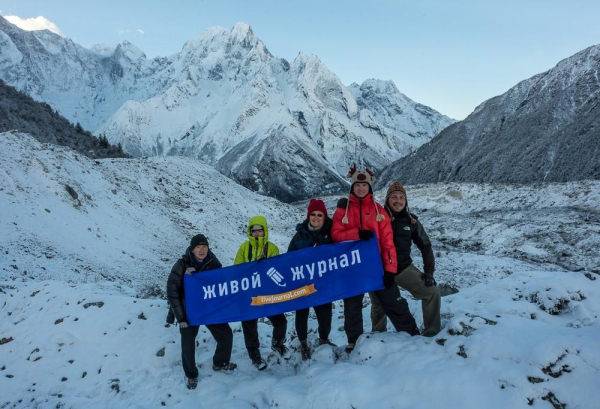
406	233
305	238
175	293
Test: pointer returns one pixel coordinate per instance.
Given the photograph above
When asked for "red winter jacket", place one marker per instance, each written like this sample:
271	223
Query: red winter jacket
362	216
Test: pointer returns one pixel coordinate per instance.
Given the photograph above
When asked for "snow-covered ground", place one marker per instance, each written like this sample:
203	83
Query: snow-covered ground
79	329
130	221
555	225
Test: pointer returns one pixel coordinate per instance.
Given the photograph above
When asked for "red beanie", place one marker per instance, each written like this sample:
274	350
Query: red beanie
316	205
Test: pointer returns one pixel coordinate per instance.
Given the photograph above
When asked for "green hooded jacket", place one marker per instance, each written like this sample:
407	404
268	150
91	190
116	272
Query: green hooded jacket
255	248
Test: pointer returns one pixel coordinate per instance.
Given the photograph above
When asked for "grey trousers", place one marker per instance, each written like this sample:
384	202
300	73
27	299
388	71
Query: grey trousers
410	280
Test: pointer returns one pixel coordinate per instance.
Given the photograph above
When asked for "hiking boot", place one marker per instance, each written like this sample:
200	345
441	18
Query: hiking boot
227	367
281	349
192	383
304	350
259	363
257	360
350	347
326	342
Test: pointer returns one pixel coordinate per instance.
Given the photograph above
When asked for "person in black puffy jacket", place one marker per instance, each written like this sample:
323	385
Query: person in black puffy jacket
408	230
314	231
197	259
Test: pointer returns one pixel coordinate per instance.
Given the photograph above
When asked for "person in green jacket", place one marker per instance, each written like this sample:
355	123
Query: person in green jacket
256	248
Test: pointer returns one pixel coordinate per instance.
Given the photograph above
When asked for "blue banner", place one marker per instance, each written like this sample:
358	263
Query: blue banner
288	282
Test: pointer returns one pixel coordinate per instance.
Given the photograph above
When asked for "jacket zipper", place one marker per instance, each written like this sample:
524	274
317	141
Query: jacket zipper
360	213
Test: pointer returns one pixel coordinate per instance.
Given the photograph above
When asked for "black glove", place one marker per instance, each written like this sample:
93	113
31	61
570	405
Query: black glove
365	234
389	279
429	280
170	316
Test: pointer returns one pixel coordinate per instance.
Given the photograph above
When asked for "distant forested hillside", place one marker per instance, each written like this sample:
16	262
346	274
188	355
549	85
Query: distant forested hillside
20	112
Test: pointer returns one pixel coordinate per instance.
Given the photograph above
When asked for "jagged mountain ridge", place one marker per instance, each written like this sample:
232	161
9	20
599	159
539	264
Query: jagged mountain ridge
84	86
416	122
221	97
546	128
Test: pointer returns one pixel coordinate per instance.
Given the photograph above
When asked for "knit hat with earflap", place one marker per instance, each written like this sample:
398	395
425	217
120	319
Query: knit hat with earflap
361	176
397	187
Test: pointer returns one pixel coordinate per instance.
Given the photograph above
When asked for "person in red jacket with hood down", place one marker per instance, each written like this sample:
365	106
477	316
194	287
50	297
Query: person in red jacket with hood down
355	219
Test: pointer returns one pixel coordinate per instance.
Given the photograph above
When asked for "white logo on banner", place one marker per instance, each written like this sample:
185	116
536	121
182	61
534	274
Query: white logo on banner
276	277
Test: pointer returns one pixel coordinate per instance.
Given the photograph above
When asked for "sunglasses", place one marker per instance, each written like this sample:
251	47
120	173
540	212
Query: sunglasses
317	215
256	230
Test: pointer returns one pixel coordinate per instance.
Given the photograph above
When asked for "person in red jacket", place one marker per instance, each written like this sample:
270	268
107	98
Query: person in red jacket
356	218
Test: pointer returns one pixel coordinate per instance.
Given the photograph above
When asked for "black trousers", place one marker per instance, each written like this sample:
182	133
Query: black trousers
394	306
221	333
250	329
323	312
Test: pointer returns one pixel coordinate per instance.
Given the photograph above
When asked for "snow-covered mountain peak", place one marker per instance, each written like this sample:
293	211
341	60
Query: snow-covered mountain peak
222	96
211	35
243	35
219	38
103	50
307	64
313	76
395	110
380	86
129	51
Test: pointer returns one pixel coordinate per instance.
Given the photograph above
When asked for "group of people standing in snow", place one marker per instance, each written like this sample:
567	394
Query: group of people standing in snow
356	218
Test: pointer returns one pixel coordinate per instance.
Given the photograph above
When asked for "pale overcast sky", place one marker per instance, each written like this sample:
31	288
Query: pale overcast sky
450	55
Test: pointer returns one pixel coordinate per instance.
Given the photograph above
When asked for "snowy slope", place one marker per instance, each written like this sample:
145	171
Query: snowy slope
131	218
223	99
81	326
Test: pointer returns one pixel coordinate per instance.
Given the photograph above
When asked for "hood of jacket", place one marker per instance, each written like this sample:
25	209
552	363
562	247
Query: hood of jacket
258	242
262	221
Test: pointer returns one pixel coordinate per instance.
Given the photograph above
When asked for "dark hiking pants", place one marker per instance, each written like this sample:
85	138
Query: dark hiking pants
396	309
221	333
324	313
394	306
353	320
410	279
250	329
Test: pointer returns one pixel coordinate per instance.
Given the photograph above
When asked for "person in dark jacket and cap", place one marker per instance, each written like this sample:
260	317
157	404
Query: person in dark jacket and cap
314	231
197	259
407	230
